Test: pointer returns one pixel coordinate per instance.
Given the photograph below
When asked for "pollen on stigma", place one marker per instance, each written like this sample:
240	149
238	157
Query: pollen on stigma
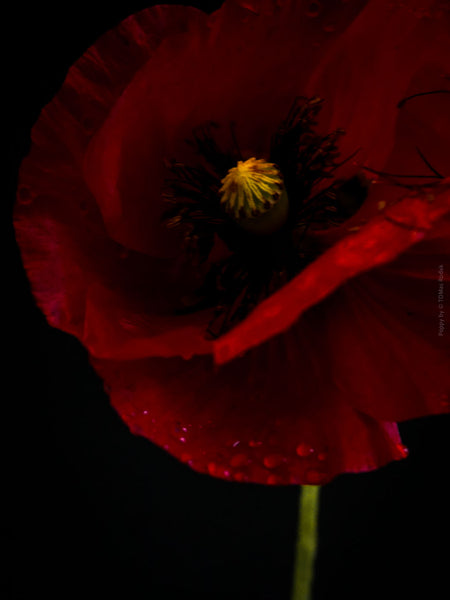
253	194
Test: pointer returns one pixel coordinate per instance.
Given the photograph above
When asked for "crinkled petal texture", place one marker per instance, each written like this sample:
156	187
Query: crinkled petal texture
311	384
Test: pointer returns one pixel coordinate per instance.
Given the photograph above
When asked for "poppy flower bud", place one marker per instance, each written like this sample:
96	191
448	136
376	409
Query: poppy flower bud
253	194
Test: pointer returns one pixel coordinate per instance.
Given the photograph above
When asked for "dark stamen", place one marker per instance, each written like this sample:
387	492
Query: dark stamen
234	138
259	265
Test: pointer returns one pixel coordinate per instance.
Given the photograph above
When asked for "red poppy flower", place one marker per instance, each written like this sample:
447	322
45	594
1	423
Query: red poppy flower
285	354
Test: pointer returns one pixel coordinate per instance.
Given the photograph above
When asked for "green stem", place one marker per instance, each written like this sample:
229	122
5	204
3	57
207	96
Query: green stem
306	546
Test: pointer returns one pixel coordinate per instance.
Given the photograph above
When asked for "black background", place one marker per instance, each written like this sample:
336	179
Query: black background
94	510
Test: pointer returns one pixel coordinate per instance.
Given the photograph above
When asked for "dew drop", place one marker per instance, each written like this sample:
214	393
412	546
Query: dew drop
304	450
274	480
314	9
233	443
182	440
272	461
315	477
444	401
322	456
417	236
272	311
239	476
254	444
239	460
212	468
218	471
404	451
186	458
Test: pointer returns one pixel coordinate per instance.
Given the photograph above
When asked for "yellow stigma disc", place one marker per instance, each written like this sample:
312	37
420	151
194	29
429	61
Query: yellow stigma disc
253	194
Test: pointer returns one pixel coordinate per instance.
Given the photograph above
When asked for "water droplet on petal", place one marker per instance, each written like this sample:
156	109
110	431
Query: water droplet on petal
274	480
186	458
304	450
404	451
417	236
218	471
272	311
444	401
272	461
239	460
254	444
233	443
314	9
322	456
239	476
315	477
295	480
182	440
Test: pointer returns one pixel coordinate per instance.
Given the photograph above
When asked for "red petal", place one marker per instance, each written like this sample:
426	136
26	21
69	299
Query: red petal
371	68
389	357
377	243
119	304
124	328
275	412
131	205
72	263
423	126
237	68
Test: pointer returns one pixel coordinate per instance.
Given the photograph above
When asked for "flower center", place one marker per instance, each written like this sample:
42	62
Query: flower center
253	194
267	212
